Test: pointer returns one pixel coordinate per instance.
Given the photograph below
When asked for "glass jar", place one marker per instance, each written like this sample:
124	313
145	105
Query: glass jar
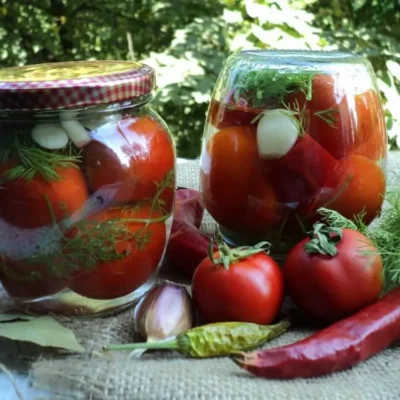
288	132
87	185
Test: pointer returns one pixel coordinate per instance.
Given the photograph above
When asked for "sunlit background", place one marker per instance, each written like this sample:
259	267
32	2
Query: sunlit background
187	41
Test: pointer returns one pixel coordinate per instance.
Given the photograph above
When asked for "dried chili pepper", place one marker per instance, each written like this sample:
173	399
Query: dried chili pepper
187	245
214	340
337	347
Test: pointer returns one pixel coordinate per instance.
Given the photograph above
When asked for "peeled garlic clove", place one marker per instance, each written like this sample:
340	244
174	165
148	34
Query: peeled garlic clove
94	124
50	136
277	132
78	135
165	311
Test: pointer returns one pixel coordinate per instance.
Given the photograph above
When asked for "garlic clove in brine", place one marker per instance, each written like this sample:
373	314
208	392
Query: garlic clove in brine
165	311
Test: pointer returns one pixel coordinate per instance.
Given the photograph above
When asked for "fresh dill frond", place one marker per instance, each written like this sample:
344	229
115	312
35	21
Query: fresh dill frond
334	218
35	160
260	87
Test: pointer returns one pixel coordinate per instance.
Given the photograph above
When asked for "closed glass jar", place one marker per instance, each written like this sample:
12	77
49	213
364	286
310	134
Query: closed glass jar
87	173
288	132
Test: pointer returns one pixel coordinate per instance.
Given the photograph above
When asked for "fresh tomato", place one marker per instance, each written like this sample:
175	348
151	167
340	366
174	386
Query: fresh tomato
131	160
227	166
125	259
250	290
364	191
370	126
34	203
225	116
332	286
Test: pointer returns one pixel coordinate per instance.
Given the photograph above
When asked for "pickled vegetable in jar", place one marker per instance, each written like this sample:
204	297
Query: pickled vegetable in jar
288	132
87	172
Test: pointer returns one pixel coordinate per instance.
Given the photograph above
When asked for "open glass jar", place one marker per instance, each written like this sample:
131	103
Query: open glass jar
288	132
87	173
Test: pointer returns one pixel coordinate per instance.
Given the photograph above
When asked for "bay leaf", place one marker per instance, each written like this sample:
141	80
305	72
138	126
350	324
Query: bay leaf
12	316
43	331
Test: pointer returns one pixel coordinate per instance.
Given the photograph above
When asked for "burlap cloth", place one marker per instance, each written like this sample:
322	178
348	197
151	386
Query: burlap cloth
166	375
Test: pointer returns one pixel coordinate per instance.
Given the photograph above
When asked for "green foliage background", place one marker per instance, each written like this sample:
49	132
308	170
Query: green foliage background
188	40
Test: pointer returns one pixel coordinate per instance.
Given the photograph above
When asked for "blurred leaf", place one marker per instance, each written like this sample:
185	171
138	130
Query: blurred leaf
43	331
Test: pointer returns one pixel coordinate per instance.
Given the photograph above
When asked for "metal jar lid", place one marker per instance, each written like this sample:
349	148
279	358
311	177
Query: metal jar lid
62	85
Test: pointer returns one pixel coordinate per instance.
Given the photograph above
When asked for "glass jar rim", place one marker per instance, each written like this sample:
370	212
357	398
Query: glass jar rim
293	56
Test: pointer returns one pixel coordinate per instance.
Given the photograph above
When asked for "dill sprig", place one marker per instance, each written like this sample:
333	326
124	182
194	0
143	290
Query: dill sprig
34	160
168	182
300	116
328	116
259	87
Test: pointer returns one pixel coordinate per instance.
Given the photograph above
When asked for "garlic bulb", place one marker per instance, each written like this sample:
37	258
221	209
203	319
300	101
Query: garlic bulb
277	132
50	136
165	311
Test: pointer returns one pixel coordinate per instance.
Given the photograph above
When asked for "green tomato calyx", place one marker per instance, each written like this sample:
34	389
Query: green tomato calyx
324	240
228	256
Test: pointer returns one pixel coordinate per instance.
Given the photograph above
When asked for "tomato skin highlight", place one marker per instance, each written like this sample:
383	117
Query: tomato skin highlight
116	278
23	203
130	159
331	288
370	126
251	290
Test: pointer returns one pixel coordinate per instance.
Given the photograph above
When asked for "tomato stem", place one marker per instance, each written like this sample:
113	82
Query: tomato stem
324	240
228	256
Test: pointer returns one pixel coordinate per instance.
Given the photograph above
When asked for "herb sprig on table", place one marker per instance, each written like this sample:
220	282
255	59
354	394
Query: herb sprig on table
261	87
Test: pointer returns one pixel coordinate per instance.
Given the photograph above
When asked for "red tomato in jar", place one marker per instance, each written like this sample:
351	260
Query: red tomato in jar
140	246
338	136
329	288
23	279
370	126
263	209
364	191
228	115
131	161
331	120
227	166
326	93
26	203
250	290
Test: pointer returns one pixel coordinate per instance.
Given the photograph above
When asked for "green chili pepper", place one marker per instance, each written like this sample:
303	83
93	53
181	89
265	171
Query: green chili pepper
213	340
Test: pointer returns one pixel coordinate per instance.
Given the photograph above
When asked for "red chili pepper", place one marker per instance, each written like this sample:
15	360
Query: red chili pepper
337	347
187	245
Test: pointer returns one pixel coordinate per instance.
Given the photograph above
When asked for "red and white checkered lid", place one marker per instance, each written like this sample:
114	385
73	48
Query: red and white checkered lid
63	85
